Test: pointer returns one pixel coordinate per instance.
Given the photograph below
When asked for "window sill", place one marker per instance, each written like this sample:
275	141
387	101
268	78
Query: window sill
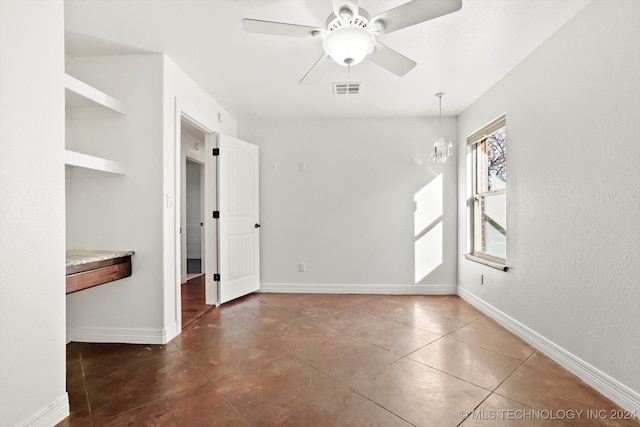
494	264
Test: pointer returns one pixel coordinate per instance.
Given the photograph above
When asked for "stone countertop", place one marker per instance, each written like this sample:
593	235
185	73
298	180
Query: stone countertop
84	256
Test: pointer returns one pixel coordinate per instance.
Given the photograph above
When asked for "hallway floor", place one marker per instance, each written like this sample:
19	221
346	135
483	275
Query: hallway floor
193	298
331	360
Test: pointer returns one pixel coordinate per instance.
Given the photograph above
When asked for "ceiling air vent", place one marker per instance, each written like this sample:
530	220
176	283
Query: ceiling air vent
349	88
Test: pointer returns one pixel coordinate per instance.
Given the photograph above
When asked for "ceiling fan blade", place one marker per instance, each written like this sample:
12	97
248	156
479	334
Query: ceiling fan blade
415	12
317	69
278	28
336	5
391	60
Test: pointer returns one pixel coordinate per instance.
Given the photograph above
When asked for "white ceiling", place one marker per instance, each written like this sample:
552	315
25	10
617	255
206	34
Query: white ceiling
462	54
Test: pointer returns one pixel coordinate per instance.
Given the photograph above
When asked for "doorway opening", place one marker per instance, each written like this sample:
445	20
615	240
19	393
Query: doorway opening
193	268
194	221
229	218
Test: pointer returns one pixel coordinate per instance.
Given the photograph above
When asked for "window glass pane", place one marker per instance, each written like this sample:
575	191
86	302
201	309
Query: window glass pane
493	225
496	152
482	162
490	182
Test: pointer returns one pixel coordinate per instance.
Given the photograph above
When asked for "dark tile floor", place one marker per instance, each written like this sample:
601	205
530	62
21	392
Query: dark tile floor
331	360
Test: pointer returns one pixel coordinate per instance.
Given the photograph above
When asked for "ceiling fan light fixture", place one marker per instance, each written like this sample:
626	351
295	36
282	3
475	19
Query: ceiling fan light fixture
350	32
349	45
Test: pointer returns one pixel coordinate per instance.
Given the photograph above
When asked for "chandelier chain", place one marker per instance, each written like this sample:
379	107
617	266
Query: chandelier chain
440	111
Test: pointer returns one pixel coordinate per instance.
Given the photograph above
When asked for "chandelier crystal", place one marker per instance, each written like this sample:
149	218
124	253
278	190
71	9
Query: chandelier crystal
441	149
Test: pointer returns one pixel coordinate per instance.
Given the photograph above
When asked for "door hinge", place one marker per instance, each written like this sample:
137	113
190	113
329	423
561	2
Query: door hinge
216	152
216	214
216	277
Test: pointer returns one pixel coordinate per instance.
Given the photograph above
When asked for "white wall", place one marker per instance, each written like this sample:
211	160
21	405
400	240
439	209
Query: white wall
194	147
136	211
573	197
183	96
120	212
194	210
32	285
350	215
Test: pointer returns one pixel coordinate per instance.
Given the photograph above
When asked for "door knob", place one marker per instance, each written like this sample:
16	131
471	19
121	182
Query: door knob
257	226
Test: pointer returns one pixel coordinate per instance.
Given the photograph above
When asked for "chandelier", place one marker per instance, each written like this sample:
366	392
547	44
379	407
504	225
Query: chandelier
441	149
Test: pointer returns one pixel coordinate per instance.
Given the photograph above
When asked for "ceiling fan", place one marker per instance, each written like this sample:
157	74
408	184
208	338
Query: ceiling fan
351	34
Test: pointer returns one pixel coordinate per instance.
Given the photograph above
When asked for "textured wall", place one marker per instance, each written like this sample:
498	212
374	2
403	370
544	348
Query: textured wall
351	214
573	194
131	211
32	355
119	212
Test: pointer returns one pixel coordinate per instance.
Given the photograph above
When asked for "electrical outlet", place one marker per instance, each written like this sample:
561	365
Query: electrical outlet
302	267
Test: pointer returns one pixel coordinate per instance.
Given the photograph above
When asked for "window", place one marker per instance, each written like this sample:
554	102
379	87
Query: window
489	168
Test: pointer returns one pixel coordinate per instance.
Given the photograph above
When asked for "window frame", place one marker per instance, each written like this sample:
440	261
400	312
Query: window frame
475	222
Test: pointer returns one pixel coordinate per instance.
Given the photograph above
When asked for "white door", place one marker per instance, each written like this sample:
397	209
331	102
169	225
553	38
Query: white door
238	183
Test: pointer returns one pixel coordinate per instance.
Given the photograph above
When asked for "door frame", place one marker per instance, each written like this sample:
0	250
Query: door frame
184	238
209	204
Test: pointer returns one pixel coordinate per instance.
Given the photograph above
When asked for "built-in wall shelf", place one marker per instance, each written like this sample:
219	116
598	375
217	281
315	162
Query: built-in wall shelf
73	158
83	100
81	95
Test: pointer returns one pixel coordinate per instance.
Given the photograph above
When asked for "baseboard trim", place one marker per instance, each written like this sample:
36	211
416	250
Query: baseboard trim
50	415
611	388
119	335
386	289
170	333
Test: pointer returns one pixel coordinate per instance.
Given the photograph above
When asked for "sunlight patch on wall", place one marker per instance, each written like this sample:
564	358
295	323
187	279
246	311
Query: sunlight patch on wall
428	228
428	252
428	205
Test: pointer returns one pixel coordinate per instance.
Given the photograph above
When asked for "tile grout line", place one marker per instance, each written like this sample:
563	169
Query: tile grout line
492	392
510	375
394	361
437	339
512	372
166	398
348	387
210	381
328	375
253	309
284	350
